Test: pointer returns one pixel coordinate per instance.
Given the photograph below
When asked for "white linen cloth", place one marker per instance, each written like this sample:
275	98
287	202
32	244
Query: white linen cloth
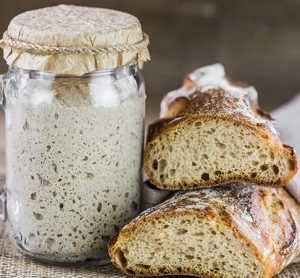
288	120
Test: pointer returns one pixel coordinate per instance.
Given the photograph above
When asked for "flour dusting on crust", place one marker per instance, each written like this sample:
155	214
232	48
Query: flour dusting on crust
208	91
204	79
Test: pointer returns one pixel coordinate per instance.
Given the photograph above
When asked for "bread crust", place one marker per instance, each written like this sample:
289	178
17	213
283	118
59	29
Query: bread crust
267	219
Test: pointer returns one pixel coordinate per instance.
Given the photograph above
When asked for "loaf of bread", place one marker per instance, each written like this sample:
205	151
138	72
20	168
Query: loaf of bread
213	132
231	232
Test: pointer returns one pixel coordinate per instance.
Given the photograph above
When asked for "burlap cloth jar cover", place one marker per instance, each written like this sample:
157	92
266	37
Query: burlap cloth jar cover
56	46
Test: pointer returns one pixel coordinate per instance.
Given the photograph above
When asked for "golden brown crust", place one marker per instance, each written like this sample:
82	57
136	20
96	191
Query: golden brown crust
266	218
217	103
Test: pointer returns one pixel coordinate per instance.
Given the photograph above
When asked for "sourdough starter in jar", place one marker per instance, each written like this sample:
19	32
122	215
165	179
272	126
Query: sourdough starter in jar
74	152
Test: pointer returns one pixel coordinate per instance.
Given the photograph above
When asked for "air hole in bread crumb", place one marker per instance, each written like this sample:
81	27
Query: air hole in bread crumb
162	178
255	163
272	155
198	234
220	145
264	167
143	266
205	156
205	176
198	124
155	164
217	173
263	156
162	164
193	163
181	231
275	169
172	172
189	257
253	175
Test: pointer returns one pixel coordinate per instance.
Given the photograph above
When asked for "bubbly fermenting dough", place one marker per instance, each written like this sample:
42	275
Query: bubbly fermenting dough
73	166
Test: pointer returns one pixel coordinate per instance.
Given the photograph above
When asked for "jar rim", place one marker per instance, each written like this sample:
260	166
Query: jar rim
125	70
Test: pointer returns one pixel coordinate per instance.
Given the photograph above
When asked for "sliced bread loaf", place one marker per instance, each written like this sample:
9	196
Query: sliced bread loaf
213	132
229	232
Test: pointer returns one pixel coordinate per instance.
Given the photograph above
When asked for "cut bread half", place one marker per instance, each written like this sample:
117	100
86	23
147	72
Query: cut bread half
215	136
224	232
201	151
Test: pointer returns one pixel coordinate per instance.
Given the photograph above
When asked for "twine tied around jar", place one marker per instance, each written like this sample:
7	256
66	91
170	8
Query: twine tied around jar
74	40
8	41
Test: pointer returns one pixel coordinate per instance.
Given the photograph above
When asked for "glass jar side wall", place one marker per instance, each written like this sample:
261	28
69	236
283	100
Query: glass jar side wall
73	161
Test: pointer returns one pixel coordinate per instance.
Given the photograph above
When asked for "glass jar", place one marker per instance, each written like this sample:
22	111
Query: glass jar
73	160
